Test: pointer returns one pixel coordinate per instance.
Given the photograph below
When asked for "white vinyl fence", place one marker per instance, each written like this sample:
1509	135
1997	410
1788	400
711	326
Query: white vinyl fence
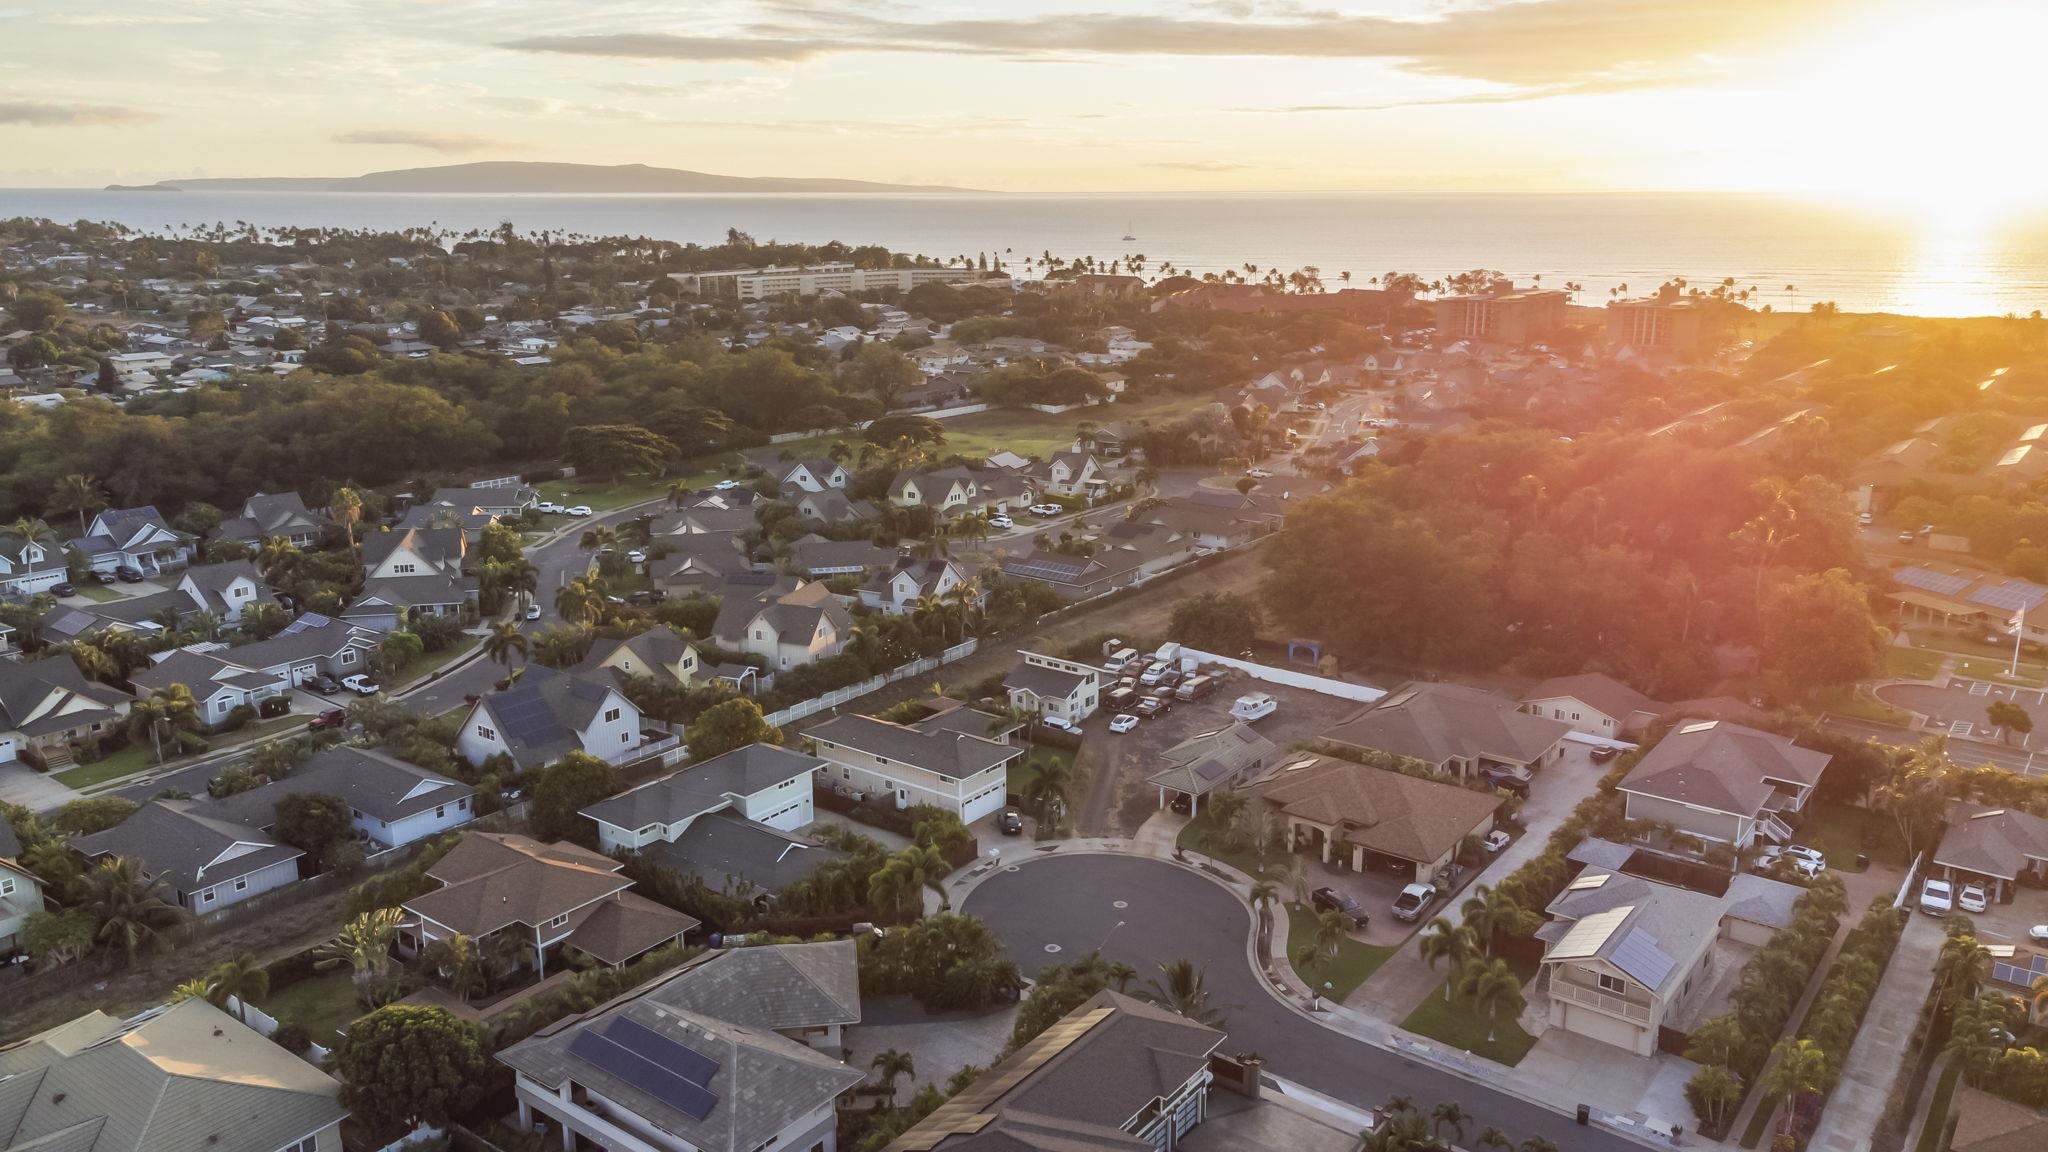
266	1025
838	696
1342	689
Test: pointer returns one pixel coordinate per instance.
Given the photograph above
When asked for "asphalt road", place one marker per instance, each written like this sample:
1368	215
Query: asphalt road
1968	752
1168	914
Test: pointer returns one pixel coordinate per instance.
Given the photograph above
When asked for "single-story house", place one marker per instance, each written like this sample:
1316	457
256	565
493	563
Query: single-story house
206	862
47	704
1595	704
391	802
1996	845
1213	761
281	514
138	538
1371	816
1453	728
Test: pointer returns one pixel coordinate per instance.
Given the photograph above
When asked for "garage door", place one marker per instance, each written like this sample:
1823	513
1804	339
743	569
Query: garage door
1601	1026
6	749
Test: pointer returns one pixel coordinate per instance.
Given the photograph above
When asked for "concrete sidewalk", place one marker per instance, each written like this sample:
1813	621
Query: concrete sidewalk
1871	1073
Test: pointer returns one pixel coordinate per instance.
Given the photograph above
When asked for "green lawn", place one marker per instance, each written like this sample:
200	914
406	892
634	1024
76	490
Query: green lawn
1200	835
431	662
1911	663
1996	671
1451	1023
1847	701
321	1005
1018	430
1337	977
1840	832
607	494
127	762
1937	1109
97	593
1024	769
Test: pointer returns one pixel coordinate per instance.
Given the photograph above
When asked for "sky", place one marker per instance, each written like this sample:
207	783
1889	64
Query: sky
1922	102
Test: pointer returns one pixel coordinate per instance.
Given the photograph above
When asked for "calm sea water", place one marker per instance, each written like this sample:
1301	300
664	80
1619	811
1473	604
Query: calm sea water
1863	262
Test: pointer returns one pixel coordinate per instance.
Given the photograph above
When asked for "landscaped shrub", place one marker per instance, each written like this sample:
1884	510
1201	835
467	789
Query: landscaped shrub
946	961
291	1036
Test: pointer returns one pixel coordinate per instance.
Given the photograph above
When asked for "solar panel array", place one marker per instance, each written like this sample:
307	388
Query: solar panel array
1588	935
527	716
1589	880
1639	956
1042	569
306	621
666	1069
1928	580
2010	595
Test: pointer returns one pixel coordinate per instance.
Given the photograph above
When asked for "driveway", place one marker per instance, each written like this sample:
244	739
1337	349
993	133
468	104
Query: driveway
1878	1056
1147	912
1960	709
23	785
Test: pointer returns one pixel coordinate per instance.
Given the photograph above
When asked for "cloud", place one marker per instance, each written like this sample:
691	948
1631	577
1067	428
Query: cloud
446	143
46	114
1199	166
1523	43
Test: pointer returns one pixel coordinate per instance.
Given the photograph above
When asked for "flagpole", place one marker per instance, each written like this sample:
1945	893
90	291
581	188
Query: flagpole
2019	629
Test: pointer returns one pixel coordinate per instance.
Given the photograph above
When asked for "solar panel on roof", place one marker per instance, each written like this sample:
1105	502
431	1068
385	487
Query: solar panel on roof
1639	956
1044	569
305	621
526	716
673	1055
1588	935
1928	580
2010	594
1589	880
693	1100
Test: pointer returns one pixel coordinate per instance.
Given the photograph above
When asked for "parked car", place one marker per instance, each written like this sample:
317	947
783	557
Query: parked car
128	574
1906	537
1254	706
533	611
1802	852
1496	840
1865	519
99	577
1973	898
2038	932
63	590
333	718
647	596
274	706
577	510
1604	753
1154	674
1170	679
1060	723
1413	901
1153	707
361	685
1331	900
1937	898
1046	510
1001	522
1515	780
1122	722
324	684
551	507
1258	473
1010	822
636	556
1120	698
726	485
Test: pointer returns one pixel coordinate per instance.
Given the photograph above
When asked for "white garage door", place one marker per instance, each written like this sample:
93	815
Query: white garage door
1601	1026
6	749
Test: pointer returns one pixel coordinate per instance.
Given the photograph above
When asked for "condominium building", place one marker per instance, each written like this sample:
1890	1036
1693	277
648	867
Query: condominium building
1502	315
1665	322
809	280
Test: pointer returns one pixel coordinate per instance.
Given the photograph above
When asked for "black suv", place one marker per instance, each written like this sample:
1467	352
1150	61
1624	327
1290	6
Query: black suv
1331	900
1010	822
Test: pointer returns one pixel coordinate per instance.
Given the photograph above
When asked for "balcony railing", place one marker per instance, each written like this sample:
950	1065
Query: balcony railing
1613	1005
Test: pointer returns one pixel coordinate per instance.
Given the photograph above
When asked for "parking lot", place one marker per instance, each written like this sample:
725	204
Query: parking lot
1959	709
1116	765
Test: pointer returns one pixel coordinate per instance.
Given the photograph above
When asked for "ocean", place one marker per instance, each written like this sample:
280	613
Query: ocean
1792	254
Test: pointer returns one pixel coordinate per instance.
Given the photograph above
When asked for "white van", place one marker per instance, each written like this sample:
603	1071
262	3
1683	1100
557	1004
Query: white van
1255	706
1120	660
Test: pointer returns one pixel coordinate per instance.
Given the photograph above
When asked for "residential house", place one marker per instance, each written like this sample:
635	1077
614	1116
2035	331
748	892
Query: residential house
1050	686
551	897
1619	972
21	893
224	589
710	566
1998	847
1986	1122
898	591
47	705
549	714
184	1078
731	821
1116	1074
1111	439
946	491
1453	729
207	863
788	629
29	566
500	499
816	557
391	803
658	654
701	520
136	538
930	762
813	475
1723	783
1073	474
1373	818
1595	704
412	572
284	514
1217	760
729	1054
831	507
218	685
310	646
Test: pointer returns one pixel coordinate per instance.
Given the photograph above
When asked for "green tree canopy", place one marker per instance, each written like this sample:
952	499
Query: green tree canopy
727	725
567	786
405	1065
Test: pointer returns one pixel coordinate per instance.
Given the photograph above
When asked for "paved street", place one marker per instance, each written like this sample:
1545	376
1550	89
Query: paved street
1145	912
1963	751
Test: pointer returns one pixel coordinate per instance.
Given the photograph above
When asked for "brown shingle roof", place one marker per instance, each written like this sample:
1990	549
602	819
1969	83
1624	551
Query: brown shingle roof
1384	811
493	879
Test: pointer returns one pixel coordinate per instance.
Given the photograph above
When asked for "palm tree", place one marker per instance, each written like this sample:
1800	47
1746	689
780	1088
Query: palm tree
242	980
519	577
1447	941
1121	975
579	601
1051	790
597	538
345	508
130	908
891	1063
167	709
1263	893
1495	1138
1489	985
454	959
77	493
1798	1068
1961	966
364	944
908	875
1490	912
505	641
1449	1113
1179	988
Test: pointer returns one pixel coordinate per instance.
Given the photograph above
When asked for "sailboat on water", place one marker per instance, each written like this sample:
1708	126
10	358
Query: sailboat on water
1129	233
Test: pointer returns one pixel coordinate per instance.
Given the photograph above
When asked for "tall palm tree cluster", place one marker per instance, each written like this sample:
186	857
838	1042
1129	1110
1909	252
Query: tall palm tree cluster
1402	1126
1487	983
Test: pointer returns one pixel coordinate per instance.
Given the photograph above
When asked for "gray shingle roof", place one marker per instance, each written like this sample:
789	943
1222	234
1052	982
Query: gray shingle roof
951	754
181	843
705	787
1208	761
731	853
1045	683
27	686
539	717
1991	841
1609	695
1436	722
775	988
379	786
1723	767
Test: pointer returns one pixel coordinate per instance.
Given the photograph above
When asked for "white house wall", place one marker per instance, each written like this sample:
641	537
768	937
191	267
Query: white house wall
233	890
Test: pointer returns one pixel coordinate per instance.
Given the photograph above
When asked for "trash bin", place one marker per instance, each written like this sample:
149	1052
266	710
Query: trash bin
1862	861
1585	1115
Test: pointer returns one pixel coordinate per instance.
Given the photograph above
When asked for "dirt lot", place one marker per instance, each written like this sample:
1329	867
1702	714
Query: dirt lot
1115	767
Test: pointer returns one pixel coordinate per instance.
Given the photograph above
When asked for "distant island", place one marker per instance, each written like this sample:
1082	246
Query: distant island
513	176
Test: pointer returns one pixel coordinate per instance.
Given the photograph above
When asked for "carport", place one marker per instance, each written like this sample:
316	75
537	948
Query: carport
1994	845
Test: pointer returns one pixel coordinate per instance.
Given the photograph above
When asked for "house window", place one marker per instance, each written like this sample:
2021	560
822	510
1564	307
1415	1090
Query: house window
348	656
206	897
1614	984
462	805
625	737
309	1144
6	885
611	715
405	569
558	921
241	883
485	731
440	810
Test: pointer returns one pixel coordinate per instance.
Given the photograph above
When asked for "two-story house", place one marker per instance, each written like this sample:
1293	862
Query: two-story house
21	892
409	573
789	629
814	475
1073	474
549	714
223	590
138	538
47	705
1050	686
549	896
280	514
731	821
1618	972
898	591
207	862
930	762
736	1052
658	654
1724	783
29	566
946	491
831	507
